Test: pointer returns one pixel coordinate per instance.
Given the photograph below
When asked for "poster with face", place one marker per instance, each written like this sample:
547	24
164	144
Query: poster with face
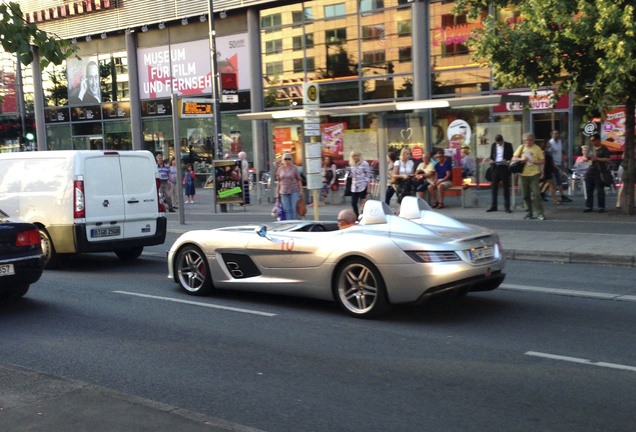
83	81
458	134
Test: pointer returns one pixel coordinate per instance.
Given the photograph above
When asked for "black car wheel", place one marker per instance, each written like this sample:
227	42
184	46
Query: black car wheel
360	290
192	271
130	253
16	292
51	258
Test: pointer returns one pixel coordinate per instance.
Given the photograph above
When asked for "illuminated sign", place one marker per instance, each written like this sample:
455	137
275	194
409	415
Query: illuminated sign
196	108
68	10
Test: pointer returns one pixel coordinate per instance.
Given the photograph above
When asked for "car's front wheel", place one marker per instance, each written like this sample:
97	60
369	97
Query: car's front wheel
360	290
192	271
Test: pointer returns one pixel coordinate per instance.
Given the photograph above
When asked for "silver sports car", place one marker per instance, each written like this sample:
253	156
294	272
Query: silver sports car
383	260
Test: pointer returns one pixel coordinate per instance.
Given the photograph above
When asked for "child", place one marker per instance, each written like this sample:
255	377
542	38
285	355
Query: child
188	181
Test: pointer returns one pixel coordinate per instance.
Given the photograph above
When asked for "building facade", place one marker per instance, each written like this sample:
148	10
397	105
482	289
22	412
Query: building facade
134	57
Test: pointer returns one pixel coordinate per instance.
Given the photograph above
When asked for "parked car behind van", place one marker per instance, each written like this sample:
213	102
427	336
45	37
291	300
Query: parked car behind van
85	200
21	259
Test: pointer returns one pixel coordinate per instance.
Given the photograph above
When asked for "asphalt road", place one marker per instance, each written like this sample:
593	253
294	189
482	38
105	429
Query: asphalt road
511	359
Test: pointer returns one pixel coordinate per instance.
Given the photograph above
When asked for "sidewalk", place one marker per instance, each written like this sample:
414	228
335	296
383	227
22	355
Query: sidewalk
567	235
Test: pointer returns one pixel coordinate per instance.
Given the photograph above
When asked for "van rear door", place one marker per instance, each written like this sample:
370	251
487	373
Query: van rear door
139	173
104	201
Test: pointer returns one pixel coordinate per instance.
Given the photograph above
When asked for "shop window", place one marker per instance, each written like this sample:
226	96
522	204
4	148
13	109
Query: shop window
273	70
336	36
372	32
404	28
373	58
450	46
297	18
297	42
304	64
271	23
368	7
274	46
405	54
335	11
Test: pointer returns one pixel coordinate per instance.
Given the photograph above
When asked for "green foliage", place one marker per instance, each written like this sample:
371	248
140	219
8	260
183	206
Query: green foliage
17	36
581	45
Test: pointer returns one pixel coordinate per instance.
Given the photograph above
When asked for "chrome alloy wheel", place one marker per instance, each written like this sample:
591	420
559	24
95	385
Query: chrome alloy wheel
360	289
192	271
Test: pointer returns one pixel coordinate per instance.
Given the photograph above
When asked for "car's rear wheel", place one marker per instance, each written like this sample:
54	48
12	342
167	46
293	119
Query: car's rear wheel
130	253
16	292
192	271
360	290
52	259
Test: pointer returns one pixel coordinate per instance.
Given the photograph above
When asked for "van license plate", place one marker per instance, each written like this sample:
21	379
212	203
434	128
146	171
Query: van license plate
6	270
105	232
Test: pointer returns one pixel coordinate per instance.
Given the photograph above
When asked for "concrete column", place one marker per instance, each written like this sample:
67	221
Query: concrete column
38	102
135	102
260	142
422	64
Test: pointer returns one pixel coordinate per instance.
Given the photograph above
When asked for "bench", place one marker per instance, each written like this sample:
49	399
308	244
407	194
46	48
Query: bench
458	188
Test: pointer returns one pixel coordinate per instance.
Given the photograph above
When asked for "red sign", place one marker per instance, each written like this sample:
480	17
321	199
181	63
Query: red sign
229	81
541	100
417	152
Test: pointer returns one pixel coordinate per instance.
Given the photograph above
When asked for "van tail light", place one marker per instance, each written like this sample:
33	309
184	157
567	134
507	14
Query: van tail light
28	238
160	206
79	202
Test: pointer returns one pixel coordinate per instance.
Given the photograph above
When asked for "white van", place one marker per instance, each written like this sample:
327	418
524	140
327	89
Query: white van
85	200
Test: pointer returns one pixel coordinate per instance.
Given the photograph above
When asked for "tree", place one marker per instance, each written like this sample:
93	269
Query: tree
584	46
19	37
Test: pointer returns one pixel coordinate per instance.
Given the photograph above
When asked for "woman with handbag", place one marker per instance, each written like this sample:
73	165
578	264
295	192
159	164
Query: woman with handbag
403	174
328	179
289	186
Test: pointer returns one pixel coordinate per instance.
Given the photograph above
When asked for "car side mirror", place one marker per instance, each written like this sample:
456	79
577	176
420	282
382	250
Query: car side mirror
262	232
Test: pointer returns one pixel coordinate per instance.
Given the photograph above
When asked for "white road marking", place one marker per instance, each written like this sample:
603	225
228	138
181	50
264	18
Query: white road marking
208	305
570	293
581	361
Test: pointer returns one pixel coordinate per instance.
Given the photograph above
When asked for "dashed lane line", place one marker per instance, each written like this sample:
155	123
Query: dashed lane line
570	293
190	302
581	361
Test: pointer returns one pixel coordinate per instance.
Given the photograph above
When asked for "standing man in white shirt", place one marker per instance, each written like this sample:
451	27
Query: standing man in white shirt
556	148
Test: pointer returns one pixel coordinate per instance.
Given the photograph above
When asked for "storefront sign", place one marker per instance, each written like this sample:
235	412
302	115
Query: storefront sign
87	113
56	115
68	10
179	68
539	101
159	107
116	110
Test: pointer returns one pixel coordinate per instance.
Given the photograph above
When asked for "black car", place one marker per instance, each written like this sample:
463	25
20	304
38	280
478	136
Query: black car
21	258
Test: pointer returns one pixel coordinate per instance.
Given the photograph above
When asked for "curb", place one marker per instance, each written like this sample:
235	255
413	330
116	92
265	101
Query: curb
570	258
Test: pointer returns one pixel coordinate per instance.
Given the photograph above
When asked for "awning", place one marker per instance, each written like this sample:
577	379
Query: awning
420	105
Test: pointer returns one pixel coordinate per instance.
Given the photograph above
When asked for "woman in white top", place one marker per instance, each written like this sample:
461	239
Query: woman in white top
403	174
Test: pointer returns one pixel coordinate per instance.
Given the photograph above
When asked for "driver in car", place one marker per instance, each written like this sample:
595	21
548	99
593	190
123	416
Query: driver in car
346	219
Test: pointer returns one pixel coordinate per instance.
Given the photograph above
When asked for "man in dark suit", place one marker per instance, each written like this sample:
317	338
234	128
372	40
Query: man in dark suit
500	157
